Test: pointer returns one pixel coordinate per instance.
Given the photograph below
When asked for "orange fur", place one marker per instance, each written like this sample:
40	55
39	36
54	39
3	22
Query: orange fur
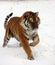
15	29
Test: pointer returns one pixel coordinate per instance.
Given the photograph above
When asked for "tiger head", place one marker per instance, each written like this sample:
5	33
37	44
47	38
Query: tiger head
32	20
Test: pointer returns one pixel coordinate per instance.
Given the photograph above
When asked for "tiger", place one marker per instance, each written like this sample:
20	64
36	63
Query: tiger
23	28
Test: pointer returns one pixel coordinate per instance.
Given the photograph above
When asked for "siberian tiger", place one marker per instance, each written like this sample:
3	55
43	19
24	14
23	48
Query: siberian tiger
23	28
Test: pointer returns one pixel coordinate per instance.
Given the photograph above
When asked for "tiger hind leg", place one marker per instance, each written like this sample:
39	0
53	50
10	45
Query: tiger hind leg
6	38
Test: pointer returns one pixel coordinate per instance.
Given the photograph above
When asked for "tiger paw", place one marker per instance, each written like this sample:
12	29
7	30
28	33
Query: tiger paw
31	58
31	44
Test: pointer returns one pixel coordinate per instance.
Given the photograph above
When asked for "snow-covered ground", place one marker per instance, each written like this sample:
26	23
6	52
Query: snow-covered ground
44	52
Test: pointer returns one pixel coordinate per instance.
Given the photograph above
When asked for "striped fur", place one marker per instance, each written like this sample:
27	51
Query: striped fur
6	19
22	28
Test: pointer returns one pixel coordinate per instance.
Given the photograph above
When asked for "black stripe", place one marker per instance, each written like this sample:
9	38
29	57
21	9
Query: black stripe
5	21
25	24
34	37
10	14
6	18
7	38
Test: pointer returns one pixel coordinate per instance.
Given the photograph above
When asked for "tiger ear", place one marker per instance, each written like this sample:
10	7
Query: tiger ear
36	13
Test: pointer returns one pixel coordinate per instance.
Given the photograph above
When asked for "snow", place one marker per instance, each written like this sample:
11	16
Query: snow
44	52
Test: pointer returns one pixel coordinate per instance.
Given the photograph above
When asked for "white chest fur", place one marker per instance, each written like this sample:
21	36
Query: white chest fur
29	32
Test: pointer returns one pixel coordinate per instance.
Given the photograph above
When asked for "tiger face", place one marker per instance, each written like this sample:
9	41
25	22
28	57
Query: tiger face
30	24
32	20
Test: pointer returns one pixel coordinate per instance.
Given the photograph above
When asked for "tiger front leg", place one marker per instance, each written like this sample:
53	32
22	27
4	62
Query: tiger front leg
36	40
26	46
